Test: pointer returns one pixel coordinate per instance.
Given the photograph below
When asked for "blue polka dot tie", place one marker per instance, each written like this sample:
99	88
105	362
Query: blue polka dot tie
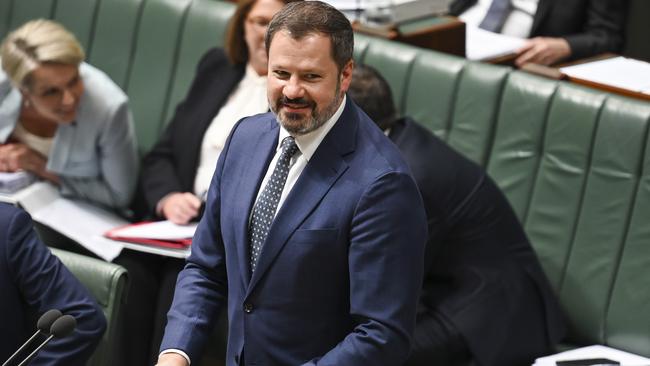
267	203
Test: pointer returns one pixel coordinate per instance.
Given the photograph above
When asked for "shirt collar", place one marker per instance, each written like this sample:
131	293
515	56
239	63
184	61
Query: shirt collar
308	143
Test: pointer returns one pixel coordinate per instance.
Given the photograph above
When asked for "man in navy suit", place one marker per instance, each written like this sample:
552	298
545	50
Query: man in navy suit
33	281
484	297
332	275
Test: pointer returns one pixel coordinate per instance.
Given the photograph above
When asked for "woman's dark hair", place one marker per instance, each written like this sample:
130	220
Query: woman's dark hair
235	45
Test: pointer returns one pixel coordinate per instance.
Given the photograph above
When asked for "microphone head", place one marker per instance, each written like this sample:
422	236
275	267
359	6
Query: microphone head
46	320
63	326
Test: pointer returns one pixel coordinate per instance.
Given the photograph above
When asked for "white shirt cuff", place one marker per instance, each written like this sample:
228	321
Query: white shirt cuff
179	352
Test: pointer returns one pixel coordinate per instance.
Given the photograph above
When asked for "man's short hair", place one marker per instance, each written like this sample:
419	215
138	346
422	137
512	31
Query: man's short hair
301	19
372	93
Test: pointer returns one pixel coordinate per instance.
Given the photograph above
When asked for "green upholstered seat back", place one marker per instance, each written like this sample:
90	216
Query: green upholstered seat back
152	68
106	282
114	38
574	163
204	28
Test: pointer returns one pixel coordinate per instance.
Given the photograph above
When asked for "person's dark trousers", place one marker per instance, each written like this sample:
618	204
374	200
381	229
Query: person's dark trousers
437	342
141	304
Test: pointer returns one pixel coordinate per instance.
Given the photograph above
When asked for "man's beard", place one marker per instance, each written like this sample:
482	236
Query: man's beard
298	124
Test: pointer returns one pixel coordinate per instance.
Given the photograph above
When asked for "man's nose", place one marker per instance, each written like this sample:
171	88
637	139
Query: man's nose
293	89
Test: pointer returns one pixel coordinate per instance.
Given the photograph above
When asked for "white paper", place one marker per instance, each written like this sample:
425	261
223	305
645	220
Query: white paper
80	221
482	45
620	72
83	223
11	182
160	230
596	351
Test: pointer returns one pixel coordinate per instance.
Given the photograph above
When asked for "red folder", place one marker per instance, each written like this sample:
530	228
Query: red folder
174	244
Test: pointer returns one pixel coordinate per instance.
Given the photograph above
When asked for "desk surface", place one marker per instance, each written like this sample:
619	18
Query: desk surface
441	33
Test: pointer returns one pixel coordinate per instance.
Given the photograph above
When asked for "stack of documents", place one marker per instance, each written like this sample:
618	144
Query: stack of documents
594	352
619	72
13	182
161	233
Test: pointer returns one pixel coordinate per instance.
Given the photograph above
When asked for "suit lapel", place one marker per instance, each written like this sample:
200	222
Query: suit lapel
543	7
255	167
318	177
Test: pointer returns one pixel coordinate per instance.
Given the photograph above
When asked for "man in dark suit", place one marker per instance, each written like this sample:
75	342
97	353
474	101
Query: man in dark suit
568	29
484	297
33	281
314	230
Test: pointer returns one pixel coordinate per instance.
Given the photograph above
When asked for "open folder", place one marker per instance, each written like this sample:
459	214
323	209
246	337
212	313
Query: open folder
160	233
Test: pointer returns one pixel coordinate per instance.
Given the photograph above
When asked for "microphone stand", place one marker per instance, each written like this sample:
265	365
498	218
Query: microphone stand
31	355
29	341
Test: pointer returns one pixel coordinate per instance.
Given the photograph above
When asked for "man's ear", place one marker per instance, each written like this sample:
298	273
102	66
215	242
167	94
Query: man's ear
346	76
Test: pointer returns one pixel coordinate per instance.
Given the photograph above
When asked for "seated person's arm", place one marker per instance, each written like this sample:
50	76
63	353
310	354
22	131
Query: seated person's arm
602	32
46	284
118	162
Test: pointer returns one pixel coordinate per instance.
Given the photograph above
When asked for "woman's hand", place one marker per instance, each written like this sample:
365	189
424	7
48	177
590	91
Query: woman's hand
180	208
16	156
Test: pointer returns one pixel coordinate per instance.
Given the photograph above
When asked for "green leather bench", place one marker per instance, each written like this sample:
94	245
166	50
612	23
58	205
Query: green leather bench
106	282
574	162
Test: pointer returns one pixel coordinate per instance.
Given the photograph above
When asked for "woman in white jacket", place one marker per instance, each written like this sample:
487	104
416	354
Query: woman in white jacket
64	120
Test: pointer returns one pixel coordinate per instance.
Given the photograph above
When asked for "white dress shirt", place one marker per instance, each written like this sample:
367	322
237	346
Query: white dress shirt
519	22
307	145
248	98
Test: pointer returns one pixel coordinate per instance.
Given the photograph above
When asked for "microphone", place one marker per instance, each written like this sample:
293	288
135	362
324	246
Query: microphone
44	324
59	329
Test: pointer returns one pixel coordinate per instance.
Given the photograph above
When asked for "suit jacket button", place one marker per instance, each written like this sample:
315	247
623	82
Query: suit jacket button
248	308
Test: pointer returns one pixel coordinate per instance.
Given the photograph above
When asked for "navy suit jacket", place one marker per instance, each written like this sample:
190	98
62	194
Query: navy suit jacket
590	26
481	273
33	281
339	275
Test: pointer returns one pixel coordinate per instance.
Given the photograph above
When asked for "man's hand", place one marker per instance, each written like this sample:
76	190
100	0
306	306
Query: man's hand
543	51
180	208
171	359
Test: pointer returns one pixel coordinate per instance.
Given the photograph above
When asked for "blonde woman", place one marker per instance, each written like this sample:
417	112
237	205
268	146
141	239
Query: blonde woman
62	119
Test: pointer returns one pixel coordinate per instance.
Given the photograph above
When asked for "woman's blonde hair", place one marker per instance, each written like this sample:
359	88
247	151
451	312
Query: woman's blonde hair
37	42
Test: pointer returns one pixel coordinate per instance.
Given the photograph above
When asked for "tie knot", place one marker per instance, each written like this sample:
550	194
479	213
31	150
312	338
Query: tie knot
289	146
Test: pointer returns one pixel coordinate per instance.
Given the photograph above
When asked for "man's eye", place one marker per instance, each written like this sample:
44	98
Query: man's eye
281	74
